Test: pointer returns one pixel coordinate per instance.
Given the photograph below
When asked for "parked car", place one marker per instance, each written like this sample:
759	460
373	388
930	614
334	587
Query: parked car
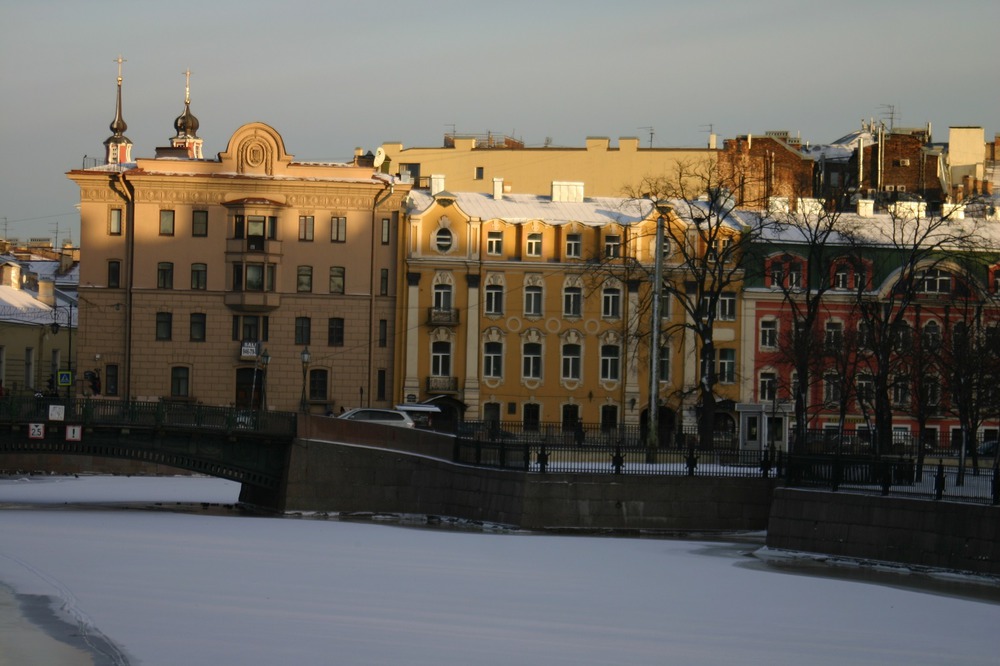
988	448
391	417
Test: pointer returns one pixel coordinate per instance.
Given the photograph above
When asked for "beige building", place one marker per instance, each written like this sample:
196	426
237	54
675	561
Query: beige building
248	279
470	163
534	309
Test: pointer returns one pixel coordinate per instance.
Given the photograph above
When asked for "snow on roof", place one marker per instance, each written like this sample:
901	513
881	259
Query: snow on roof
594	211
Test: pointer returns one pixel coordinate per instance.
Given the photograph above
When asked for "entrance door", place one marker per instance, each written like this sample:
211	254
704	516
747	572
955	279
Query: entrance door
249	388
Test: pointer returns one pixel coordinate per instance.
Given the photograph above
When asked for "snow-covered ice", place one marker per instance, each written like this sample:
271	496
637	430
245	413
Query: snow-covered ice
201	588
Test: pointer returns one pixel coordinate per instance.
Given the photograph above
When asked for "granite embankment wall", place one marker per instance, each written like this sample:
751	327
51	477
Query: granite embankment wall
412	473
950	535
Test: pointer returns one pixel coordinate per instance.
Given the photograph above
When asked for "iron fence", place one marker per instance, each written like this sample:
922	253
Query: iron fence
589	434
895	475
27	408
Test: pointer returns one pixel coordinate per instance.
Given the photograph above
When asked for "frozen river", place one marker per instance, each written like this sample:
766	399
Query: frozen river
163	571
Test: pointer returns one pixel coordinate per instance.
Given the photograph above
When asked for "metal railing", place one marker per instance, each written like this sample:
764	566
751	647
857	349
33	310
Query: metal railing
26	408
897	476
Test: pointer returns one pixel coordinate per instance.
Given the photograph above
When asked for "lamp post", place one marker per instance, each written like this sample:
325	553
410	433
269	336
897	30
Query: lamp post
306	356
653	415
265	358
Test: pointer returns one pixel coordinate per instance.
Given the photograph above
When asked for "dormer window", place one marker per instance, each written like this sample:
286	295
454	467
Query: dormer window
443	240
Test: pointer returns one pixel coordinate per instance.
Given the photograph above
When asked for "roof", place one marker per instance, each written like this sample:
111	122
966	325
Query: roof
594	211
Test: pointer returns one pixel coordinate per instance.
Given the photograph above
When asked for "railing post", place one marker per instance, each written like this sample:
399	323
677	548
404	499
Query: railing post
692	460
543	459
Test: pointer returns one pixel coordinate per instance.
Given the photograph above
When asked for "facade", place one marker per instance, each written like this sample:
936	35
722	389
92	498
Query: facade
37	334
535	309
470	164
249	280
942	334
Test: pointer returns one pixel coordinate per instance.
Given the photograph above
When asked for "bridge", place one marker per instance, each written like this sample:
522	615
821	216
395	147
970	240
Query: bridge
248	446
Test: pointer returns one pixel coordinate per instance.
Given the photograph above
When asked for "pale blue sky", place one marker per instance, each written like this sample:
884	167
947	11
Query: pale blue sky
330	76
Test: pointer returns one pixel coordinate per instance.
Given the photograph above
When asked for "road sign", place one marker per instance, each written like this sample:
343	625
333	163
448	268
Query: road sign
57	412
74	433
65	378
36	431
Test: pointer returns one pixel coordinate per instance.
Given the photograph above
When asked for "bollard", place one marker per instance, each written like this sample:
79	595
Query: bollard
939	481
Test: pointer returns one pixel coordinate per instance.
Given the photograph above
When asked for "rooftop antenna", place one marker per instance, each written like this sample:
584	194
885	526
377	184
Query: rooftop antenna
711	133
892	114
650	135
452	126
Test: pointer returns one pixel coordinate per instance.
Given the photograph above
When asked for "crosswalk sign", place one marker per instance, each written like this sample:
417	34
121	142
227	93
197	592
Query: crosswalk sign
65	378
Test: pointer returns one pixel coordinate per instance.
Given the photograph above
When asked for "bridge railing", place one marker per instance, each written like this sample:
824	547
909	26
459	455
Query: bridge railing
148	414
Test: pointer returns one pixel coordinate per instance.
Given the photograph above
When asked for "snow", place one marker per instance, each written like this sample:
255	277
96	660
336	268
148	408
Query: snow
217	587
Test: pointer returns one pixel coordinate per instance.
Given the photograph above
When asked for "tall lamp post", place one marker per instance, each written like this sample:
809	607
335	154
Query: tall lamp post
306	357
653	416
265	358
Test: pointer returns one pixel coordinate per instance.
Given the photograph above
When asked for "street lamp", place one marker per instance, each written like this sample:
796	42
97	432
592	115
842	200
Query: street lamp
306	356
653	417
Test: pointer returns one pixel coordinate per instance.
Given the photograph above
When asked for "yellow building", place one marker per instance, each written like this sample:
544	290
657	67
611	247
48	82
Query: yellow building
531	309
248	279
470	163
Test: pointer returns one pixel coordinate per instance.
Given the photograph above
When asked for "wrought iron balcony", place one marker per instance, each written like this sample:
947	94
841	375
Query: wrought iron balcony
442	384
442	316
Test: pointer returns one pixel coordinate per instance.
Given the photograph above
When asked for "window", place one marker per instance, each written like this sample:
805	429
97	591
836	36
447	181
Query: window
769	334
199	276
385	231
534	245
572	301
574	245
777	274
197	327
932	391
727	307
250	328
664	364
934	282
164	275
259	227
441	359
114	274
479	173
166	223
571	417
831	388
164	325
319	379
337	280
180	379
610	362
306	227
442	297
115	222
611	306
335	332
199	223
842	277
383	282
901	391
533	301
494	243
338	229
721	248
493	360
571	361
304	279
932	335
443	240
532	416
111	379
768	387
380	384
794	275
253	277
532	368
494	299
866	389
383	332
303	330
864	336
609	417
727	366
612	246
833	336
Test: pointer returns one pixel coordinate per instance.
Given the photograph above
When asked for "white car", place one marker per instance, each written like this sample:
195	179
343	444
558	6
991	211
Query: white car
384	416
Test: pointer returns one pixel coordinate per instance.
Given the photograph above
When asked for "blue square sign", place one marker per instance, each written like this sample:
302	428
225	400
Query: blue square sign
65	378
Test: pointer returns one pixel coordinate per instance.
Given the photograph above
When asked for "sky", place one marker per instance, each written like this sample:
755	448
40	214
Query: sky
332	76
158	587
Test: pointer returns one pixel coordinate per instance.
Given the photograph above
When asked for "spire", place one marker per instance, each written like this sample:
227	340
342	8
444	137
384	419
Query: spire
119	147
187	125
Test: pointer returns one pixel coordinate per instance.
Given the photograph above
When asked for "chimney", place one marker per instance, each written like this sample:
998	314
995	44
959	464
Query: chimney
498	188
866	208
712	140
437	183
567	192
47	293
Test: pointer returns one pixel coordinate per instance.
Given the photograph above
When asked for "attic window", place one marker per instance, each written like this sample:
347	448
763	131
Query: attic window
443	240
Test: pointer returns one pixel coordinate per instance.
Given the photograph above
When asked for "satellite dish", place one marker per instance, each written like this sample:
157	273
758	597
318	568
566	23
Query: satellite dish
379	157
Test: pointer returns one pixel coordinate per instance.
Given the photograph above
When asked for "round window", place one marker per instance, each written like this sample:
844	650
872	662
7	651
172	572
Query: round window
443	240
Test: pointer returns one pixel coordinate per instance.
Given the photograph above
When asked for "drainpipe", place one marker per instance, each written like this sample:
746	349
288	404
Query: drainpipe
380	198
127	193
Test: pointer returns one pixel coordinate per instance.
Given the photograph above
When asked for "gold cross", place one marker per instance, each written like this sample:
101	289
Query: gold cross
187	86
120	60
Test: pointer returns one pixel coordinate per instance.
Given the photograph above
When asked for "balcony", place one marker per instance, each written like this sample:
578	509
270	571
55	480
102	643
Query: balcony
253	301
253	245
442	385
442	316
